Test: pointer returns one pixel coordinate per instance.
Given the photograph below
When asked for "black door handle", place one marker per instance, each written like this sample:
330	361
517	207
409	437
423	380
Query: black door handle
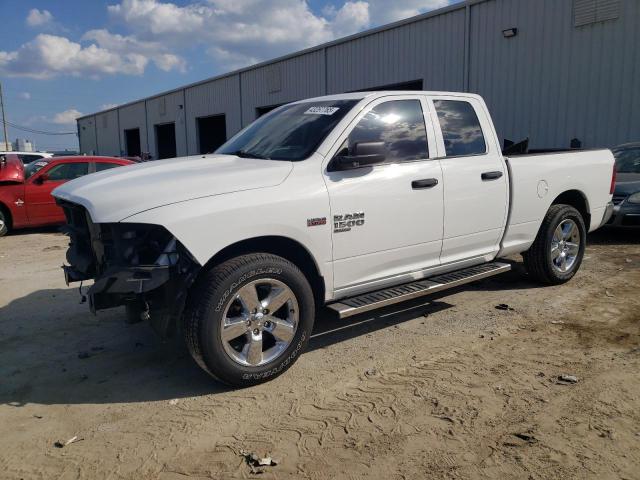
491	175
425	183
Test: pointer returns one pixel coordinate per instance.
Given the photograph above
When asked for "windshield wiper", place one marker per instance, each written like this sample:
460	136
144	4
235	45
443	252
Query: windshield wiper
246	154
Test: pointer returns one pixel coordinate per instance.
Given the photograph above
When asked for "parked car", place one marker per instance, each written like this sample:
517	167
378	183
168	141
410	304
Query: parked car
25	190
626	196
356	201
28	157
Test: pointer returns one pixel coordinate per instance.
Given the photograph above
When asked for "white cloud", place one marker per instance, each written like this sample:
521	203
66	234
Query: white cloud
239	32
68	117
49	55
123	45
38	18
108	106
24	95
350	18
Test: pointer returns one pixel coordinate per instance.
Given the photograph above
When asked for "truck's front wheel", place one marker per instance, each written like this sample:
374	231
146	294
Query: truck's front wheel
248	319
556	253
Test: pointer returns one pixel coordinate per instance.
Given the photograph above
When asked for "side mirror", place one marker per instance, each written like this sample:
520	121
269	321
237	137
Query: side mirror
364	154
41	179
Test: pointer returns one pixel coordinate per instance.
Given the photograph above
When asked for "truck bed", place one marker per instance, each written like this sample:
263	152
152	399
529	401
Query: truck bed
537	179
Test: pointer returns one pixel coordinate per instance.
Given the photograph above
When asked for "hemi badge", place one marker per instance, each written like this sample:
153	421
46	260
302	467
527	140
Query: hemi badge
312	222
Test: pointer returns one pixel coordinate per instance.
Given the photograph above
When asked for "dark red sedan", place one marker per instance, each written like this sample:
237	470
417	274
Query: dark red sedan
25	191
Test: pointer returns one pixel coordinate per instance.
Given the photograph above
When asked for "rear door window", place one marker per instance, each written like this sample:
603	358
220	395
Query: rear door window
460	127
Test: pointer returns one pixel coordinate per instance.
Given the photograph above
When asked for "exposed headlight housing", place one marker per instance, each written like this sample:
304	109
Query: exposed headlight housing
635	198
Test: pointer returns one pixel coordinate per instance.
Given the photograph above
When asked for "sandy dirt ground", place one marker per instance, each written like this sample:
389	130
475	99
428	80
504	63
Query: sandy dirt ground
449	388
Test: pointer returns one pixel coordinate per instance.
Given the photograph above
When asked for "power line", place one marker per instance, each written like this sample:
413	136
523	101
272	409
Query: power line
33	130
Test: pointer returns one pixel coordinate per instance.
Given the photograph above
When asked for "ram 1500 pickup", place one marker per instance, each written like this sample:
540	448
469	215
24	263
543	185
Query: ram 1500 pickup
353	201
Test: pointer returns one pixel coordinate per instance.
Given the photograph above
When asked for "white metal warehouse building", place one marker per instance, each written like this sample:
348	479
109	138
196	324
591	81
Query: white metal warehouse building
550	70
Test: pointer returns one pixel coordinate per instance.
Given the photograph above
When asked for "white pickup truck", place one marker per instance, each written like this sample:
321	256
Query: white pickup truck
353	201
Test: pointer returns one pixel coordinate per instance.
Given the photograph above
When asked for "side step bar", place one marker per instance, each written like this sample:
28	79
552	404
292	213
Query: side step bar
389	296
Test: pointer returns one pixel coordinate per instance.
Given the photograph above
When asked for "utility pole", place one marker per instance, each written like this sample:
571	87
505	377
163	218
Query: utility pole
4	121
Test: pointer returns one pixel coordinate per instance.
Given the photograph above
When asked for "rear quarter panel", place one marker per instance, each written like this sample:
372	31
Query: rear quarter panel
537	180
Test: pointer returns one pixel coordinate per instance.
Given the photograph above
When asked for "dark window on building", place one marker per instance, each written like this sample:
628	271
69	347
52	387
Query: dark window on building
166	140
399	124
132	141
212	132
68	171
105	166
260	111
412	85
461	129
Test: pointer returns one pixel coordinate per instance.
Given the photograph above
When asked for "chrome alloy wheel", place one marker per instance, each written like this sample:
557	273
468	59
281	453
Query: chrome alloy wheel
1	223
259	322
565	246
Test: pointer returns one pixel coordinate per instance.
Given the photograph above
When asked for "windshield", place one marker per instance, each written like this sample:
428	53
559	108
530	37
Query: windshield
31	168
292	132
627	160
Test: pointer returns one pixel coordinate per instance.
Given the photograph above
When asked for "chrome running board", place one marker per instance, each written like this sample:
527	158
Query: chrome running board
392	295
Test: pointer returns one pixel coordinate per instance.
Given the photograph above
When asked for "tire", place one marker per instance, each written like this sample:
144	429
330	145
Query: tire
221	305
4	223
557	252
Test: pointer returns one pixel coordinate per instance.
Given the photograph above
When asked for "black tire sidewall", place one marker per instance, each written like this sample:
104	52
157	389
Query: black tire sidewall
567	213
214	356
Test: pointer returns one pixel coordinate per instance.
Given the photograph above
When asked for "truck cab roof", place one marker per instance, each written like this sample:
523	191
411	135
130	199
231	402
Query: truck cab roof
383	93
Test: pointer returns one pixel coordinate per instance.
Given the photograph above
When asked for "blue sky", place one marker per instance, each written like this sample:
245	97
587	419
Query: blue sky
59	59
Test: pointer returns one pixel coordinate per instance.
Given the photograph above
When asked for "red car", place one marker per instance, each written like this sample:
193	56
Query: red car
25	191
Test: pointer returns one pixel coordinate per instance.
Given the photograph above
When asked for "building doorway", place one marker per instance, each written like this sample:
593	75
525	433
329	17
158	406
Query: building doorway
212	132
132	142
166	140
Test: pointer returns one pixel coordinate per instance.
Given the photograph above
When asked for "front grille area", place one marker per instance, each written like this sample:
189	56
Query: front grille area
95	247
78	229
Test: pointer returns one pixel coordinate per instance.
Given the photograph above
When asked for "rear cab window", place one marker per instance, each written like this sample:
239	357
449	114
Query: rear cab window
460	126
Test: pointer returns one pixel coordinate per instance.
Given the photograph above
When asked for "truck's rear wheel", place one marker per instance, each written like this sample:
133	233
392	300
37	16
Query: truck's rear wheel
248	319
556	253
4	223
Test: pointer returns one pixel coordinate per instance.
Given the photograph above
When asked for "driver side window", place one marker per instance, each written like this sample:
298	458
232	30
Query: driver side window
397	127
68	171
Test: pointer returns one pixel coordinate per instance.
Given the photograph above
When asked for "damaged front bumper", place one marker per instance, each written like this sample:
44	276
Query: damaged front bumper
142	267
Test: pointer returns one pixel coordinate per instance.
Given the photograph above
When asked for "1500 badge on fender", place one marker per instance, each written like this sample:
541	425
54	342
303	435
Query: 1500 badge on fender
344	223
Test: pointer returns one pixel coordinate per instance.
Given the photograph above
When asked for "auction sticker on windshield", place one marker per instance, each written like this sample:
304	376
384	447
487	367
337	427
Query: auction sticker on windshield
321	110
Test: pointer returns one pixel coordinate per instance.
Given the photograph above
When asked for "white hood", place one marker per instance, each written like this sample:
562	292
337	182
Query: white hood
118	193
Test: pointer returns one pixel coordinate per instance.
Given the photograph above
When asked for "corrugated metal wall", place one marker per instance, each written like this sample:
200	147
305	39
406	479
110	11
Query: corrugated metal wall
286	81
107	131
431	50
167	109
212	98
87	134
552	82
133	116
